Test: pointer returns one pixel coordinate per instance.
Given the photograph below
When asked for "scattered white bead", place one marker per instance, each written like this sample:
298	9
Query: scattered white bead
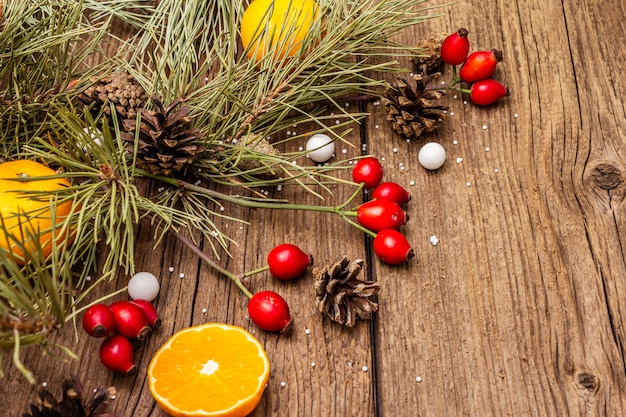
468	184
432	155
44	384
300	148
279	187
88	278
464	101
171	269
418	378
320	147
459	160
487	149
283	384
204	310
516	115
307	331
143	286
312	364
412	182
376	127
455	96
364	368
451	113
496	170
222	208
344	151
484	127
336	122
181	275
395	150
434	240
455	142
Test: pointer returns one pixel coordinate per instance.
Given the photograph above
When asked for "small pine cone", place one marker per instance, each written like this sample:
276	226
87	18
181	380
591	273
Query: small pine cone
254	160
121	89
341	296
166	142
74	402
414	110
430	57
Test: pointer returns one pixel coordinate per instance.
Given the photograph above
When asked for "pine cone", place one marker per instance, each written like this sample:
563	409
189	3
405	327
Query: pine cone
121	89
430	58
340	295
414	110
166	141
260	146
74	402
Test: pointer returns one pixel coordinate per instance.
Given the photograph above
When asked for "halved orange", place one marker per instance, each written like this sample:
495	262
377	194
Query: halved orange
213	369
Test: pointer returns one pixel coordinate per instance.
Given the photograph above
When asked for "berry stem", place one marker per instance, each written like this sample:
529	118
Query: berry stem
212	263
255	271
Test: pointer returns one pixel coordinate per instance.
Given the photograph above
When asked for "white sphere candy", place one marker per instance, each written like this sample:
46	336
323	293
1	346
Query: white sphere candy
432	156
143	286
320	147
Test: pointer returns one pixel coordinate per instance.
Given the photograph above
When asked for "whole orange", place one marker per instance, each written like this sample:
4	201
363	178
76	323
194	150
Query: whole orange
277	27
25	208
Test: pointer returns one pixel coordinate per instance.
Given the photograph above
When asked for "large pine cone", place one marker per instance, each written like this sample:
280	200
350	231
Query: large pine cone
166	142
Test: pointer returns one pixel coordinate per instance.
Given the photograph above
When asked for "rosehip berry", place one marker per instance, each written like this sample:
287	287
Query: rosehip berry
99	320
455	47
288	261
130	320
480	65
368	171
269	311
392	247
486	92
377	215
152	316
116	353
391	191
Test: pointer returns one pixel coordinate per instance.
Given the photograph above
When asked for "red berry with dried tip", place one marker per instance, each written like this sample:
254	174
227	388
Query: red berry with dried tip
152	316
116	353
480	65
130	320
269	311
368	171
391	191
287	261
377	215
455	47
486	92
392	247
99	320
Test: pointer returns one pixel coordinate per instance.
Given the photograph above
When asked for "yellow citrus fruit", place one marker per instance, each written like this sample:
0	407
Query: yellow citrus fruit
25	208
277	27
213	369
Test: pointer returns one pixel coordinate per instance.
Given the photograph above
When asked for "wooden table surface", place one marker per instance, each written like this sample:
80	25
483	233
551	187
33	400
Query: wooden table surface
519	310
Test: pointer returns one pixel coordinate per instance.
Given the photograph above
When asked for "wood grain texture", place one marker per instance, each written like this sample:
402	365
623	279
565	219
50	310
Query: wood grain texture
519	310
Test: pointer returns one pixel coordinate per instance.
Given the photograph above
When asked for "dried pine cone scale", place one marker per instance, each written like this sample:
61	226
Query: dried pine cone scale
414	110
341	295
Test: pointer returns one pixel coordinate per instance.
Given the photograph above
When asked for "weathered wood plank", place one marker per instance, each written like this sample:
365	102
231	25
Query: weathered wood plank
517	310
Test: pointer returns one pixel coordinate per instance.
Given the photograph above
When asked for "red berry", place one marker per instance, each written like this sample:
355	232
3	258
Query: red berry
116	353
99	320
480	65
368	171
486	92
377	215
288	261
152	317
391	191
130	320
269	311
455	47
392	247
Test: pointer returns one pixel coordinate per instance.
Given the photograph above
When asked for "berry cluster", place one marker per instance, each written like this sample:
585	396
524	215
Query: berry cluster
383	215
120	323
476	68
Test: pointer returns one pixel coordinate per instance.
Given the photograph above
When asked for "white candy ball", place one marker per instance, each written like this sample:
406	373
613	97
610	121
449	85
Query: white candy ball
320	147
432	155
143	286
